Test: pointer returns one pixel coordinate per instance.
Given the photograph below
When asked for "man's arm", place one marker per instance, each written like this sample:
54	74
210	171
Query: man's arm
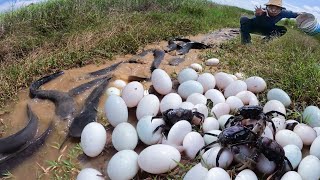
290	14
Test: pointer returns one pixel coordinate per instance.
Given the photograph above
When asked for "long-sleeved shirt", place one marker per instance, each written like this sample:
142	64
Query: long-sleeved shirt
270	21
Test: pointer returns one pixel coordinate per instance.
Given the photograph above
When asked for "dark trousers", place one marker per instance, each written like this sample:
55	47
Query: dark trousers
247	26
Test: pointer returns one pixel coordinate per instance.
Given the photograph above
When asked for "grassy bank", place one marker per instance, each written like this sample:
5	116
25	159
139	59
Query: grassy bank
61	34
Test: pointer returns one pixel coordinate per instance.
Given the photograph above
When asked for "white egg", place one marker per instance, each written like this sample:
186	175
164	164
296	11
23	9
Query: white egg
116	110
89	173
234	102
207	80
309	168
246	174
248	98
123	165
170	101
220	109
93	139
239	75
120	84
159	158
280	95
196	67
189	87
264	165
234	88
209	138
315	147
178	131
217	173
145	127
279	123
223	80
187	74
192	143
306	133
148	106
186	105
124	136
285	137
267	133
201	108
293	153
234	77
291	175
197	98
196	172
132	93
209	158
210	123
256	84
311	115
317	129
161	81
113	91
212	62
215	96
274	105
223	119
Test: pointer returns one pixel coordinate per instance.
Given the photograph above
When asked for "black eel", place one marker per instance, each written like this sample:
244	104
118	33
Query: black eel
191	45
158	57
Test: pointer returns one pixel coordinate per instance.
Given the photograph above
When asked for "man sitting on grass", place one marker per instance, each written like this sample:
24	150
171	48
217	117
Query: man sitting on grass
264	22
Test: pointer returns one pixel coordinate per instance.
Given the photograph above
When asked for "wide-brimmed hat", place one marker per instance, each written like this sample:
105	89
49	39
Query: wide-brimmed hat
274	3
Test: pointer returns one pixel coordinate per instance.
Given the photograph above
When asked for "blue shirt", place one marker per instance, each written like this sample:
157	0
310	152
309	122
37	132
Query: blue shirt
268	21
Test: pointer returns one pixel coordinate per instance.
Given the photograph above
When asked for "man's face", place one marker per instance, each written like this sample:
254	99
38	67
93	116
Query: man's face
273	10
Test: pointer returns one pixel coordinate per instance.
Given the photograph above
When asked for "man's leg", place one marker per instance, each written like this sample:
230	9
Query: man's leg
245	30
276	31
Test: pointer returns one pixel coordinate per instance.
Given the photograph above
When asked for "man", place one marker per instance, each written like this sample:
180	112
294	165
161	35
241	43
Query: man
265	20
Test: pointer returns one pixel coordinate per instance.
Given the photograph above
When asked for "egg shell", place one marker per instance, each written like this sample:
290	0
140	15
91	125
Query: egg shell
201	108
306	133
197	98
93	139
311	115
239	75
161	81
207	81
186	105
285	137
132	93
241	152
192	143
217	173
113	91
234	103
215	96
220	109
209	138
196	67
123	165
256	84
89	173
234	88
309	168
212	62
116	110
145	128
210	123
178	131
317	129
159	158
209	158
279	123
274	105
264	165
223	119
293	153
315	147
223	80
189	87
290	123
187	74
280	95
124	136
248	98
170	101
291	175
196	172
148	106
234	77
267	133
120	84
246	174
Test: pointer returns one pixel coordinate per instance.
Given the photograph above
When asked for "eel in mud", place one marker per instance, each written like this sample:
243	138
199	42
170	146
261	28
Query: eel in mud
191	45
158	57
12	143
10	161
105	70
174	46
176	61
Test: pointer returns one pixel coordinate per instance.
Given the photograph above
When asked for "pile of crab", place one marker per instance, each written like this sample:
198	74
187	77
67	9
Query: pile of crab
215	120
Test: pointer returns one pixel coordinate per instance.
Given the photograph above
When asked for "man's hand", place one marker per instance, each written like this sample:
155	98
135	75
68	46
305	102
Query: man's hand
259	11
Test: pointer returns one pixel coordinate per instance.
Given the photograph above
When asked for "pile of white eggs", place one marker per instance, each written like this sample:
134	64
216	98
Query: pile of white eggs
228	93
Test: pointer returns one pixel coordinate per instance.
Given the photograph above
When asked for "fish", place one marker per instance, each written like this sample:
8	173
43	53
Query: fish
158	57
176	61
12	143
10	161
